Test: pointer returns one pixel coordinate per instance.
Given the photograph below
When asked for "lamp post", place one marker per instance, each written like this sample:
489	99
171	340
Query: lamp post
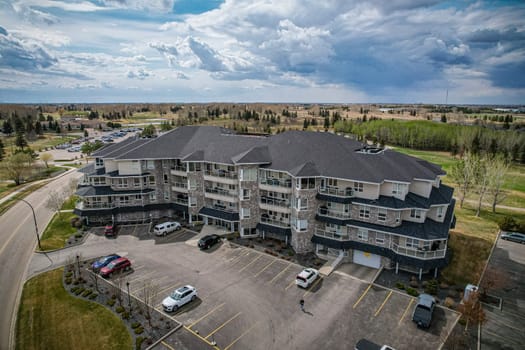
129	298
34	218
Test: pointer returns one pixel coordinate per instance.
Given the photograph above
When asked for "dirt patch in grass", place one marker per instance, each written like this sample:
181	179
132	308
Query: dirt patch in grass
58	231
49	318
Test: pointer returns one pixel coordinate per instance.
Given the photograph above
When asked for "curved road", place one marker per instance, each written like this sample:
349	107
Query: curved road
17	244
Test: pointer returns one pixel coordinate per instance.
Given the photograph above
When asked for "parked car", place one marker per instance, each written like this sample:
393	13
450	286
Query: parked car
179	297
110	230
117	265
208	241
514	237
166	227
365	344
306	277
100	263
422	315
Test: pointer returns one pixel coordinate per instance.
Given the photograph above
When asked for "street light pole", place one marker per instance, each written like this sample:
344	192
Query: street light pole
129	298
34	218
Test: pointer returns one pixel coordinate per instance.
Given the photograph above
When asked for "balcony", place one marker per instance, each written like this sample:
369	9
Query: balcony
180	187
220	194
280	205
275	222
181	201
337	214
95	206
332	235
179	171
273	184
222	176
420	253
337	192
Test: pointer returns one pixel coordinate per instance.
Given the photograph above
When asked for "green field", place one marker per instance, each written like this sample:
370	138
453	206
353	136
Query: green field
58	231
50	318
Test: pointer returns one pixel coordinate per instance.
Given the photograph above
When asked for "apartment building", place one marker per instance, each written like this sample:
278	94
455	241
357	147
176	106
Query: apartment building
315	191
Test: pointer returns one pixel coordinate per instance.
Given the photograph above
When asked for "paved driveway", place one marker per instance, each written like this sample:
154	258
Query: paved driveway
248	299
504	326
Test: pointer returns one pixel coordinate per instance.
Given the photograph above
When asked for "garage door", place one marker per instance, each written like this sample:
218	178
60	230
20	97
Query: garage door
367	259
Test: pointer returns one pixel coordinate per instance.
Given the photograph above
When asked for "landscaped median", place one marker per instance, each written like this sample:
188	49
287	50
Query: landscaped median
50	318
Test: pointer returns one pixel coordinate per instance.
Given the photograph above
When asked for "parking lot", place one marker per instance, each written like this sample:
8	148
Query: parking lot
503	329
248	299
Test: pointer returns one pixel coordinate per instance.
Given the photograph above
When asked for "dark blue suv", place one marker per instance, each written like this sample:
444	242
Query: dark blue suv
100	263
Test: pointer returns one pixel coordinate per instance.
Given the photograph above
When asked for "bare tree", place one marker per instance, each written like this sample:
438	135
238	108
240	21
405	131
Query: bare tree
498	170
72	185
149	290
493	278
463	173
472	310
482	180
17	167
46	158
54	201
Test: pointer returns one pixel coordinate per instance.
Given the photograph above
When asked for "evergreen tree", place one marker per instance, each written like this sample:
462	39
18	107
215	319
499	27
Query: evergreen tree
38	128
7	128
2	150
20	140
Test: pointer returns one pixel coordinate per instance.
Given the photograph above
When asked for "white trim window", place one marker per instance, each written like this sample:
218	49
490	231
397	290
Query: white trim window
362	234
412	243
153	197
358	186
245	213
192	201
150	164
440	212
245	194
380	238
136	182
381	214
415	213
166	195
364	211
300	225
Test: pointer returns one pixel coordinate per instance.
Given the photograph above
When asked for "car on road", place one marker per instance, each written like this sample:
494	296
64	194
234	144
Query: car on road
100	263
166	227
208	241
179	297
110	230
514	237
116	266
422	315
365	344
306	277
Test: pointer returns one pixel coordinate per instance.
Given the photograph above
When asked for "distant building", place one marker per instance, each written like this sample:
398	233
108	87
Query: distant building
315	191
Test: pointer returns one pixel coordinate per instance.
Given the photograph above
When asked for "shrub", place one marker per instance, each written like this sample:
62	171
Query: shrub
431	287
74	289
507	223
79	290
69	274
400	285
68	280
87	292
138	342
414	284
119	309
135	325
413	292
125	315
93	296
139	330
78	235
73	221
449	302
290	253
110	302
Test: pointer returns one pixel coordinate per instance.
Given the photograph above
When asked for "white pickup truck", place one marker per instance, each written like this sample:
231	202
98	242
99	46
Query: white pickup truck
365	344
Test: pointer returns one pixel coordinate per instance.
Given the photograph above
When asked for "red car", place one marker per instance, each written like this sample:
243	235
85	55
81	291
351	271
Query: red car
110	230
118	265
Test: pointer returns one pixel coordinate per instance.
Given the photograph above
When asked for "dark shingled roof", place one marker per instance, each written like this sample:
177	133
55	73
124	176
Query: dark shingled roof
219	214
90	191
116	148
300	153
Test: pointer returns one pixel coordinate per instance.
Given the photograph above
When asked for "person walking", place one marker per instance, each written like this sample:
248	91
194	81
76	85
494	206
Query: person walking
301	304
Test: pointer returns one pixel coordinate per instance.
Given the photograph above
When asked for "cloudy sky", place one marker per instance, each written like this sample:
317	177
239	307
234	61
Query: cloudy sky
409	51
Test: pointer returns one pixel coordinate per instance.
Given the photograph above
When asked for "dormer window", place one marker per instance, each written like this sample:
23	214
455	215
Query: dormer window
398	189
415	213
358	186
440	212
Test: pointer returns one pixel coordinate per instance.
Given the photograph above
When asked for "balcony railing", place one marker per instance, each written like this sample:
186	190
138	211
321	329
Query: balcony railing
225	208
276	182
332	235
179	168
419	253
221	192
334	213
87	206
180	185
334	191
284	203
182	201
275	222
221	173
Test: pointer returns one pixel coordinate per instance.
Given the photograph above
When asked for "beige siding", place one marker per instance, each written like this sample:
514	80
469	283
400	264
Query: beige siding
129	168
433	213
421	188
110	165
370	191
405	216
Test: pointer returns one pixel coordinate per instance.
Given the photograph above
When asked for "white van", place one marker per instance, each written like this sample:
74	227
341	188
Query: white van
166	227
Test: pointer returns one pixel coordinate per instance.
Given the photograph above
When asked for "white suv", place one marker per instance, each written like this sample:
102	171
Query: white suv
306	277
166	227
179	297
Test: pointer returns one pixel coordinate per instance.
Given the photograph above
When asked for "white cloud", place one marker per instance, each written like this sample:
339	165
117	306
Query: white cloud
151	5
140	74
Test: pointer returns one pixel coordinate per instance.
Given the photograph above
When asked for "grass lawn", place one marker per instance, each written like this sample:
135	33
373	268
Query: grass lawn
50	318
58	231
